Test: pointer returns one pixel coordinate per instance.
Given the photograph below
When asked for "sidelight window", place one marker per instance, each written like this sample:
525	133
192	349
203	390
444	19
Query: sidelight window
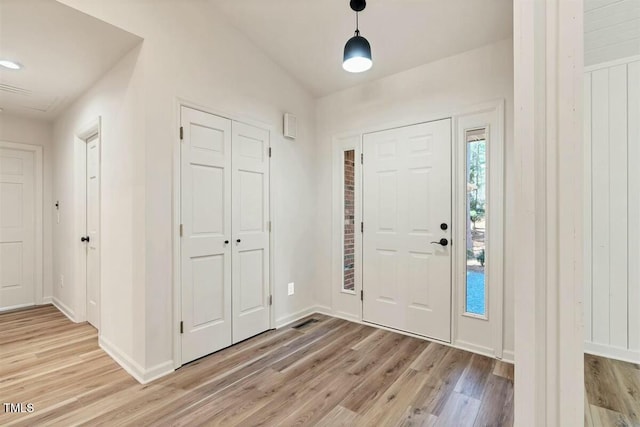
476	222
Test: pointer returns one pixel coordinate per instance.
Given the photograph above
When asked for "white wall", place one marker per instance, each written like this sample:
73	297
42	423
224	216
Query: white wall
191	53
36	132
612	206
439	89
116	100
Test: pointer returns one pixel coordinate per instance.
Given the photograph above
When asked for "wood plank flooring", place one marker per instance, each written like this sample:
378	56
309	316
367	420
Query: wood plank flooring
612	392
328	373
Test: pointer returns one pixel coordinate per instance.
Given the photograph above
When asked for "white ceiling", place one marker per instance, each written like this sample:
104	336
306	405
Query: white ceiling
307	37
611	30
63	52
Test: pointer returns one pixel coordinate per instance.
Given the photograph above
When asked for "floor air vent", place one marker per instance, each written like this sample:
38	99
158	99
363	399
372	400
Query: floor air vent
305	323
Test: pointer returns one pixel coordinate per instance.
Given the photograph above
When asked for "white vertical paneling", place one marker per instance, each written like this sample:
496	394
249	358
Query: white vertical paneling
587	207
633	160
600	207
618	206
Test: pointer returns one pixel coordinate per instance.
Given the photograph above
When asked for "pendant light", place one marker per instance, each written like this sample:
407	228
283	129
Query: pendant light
357	51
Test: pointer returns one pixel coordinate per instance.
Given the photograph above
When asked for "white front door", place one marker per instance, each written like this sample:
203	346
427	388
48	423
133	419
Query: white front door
406	208
250	194
17	228
206	233
93	231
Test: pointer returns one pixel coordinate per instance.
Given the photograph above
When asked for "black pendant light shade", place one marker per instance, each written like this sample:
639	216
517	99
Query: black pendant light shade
357	51
358	5
357	54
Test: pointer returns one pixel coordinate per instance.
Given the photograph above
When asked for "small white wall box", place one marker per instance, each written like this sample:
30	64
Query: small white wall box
290	128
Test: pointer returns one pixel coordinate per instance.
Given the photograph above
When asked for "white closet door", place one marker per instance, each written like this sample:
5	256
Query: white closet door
206	218
17	228
93	231
251	312
407	196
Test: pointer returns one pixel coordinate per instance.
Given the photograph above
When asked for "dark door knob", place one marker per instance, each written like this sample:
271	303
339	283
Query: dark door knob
238	241
226	242
443	242
85	238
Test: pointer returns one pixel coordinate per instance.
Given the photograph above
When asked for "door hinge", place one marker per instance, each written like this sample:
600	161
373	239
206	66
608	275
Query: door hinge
269	151
362	227
181	230
361	295
270	299
181	133
181	327
362	158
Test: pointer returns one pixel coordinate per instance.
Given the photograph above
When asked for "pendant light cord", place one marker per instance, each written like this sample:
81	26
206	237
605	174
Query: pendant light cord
357	29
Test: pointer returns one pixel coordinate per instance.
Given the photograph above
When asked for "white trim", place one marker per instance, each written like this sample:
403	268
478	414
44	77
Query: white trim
609	64
47	300
341	299
617	353
38	248
548	144
294	317
491	324
81	136
176	216
64	309
143	376
460	345
16	307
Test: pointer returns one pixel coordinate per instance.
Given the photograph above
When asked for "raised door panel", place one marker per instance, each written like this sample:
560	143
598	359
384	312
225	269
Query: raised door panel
206	218
250	188
407	186
93	231
17	228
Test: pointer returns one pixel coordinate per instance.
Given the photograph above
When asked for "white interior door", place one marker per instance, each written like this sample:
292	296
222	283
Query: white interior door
17	228
407	197
251	300
206	233
93	231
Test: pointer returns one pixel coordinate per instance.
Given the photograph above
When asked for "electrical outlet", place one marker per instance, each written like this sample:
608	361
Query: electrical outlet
291	288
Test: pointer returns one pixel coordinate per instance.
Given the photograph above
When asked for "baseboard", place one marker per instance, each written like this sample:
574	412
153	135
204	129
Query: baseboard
15	307
64	309
143	376
617	353
47	300
509	356
339	314
474	348
294	317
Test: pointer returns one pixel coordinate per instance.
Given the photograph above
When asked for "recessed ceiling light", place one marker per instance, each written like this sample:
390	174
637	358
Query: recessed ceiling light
10	64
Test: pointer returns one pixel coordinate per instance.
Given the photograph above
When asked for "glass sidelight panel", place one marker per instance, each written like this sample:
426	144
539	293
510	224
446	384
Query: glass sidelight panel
348	283
476	223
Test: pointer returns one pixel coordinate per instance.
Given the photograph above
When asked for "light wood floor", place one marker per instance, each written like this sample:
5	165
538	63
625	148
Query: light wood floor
331	372
612	395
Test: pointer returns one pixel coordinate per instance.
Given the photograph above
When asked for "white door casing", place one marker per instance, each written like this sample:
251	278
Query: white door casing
250	198
17	228
93	230
206	227
406	197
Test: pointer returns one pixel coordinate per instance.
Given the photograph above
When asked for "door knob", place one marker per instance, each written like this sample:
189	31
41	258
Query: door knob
238	241
226	242
443	242
85	238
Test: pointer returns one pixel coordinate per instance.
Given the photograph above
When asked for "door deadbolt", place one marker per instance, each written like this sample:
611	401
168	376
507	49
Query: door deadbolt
443	226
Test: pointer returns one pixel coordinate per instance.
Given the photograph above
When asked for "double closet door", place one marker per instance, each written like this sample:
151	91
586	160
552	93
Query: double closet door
224	233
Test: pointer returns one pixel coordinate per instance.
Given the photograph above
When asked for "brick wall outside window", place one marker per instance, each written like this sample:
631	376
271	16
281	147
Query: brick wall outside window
349	218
